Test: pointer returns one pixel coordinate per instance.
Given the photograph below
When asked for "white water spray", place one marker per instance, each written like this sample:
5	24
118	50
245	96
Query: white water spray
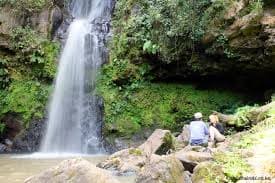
72	125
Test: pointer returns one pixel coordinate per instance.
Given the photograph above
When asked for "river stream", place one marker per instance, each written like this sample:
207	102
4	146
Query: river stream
16	168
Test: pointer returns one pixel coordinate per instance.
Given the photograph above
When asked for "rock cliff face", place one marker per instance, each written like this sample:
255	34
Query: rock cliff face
229	38
45	22
248	39
238	43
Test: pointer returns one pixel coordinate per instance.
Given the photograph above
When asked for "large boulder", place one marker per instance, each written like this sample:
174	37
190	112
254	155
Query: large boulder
183	138
160	142
73	171
190	159
125	161
161	169
208	172
132	159
113	143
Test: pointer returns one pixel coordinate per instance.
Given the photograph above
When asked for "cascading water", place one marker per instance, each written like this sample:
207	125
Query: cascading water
74	124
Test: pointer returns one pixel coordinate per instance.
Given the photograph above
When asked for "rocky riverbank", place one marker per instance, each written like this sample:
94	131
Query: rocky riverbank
164	157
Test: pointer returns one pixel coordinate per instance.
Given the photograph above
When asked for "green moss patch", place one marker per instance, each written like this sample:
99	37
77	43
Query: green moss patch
233	166
159	105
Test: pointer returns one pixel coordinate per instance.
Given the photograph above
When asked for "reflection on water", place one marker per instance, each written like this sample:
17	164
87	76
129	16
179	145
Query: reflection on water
15	169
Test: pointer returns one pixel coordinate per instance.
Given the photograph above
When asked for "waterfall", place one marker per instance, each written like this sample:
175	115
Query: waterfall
73	124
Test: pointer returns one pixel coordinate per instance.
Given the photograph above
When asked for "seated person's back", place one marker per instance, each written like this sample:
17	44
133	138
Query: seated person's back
198	131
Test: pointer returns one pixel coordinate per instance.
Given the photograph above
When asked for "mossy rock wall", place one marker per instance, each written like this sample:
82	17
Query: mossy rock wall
28	57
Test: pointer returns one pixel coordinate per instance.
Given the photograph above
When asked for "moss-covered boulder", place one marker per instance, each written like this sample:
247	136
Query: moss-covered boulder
160	142
208	172
133	159
161	169
125	161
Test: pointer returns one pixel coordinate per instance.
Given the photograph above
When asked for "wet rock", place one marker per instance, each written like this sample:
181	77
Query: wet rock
8	143
3	148
183	138
59	3
207	172
56	20
13	125
161	169
190	159
187	177
74	171
29	140
160	142
113	144
47	21
132	159
125	161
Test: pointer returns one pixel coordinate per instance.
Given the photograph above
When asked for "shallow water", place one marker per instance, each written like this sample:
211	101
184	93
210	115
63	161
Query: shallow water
16	168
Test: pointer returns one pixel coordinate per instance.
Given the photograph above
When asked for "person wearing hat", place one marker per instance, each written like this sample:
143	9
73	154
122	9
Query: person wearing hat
198	131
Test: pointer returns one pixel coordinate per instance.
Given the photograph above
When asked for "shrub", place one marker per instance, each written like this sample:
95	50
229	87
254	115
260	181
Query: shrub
27	98
164	28
161	105
35	55
26	6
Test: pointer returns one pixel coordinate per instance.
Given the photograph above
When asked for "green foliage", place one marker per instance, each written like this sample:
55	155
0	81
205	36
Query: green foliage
210	172
28	66
169	144
221	42
26	6
271	112
132	103
234	167
242	116
168	28
136	152
2	128
257	132
123	74
187	33
33	58
255	6
26	73
149	47
35	55
27	98
4	74
247	141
